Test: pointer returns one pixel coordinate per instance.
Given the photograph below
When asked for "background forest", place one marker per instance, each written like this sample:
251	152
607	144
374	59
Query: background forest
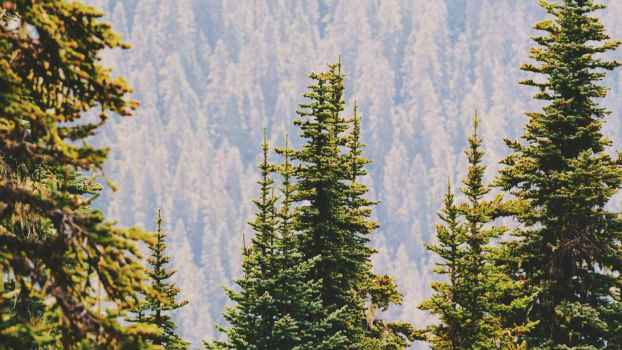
211	74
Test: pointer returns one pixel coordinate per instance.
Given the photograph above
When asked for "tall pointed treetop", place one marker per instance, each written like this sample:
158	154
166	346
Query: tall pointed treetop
569	246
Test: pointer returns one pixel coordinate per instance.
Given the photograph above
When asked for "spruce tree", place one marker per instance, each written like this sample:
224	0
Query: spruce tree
321	189
286	216
568	248
471	303
156	308
54	247
444	302
379	291
278	306
309	264
333	218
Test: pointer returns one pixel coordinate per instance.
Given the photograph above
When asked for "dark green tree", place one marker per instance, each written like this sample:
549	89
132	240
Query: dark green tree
445	301
54	246
156	308
332	215
278	306
471	303
378	291
568	248
321	188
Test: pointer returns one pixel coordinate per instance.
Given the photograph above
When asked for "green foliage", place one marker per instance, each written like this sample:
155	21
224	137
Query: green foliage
334	219
568	249
471	303
57	253
278	306
322	190
307	280
156	308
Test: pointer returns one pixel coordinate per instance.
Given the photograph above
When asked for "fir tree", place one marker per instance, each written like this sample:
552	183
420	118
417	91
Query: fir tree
569	246
286	213
322	189
156	308
379	291
278	306
471	303
54	246
445	300
333	218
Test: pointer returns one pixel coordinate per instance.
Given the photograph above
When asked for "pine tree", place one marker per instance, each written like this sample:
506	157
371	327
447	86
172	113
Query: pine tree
307	281
332	216
471	302
278	306
569	246
156	308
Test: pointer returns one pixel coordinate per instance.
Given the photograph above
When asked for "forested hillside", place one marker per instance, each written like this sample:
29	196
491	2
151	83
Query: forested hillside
210	75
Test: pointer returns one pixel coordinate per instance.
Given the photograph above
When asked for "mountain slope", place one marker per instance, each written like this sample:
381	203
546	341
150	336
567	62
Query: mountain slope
211	74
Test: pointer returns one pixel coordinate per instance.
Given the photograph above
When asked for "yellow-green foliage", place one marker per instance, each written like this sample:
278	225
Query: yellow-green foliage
66	272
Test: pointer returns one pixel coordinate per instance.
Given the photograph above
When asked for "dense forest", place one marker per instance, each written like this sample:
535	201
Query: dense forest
315	245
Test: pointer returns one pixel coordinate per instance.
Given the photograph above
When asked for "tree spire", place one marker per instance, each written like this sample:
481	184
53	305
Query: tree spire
334	217
471	304
265	219
286	212
156	308
279	305
562	177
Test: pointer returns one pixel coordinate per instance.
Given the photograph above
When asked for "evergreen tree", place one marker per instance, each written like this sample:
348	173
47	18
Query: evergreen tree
286	214
321	189
333	218
379	291
156	308
471	302
23	310
278	306
55	249
445	300
569	246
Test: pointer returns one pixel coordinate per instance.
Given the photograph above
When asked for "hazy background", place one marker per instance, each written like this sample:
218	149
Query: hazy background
211	74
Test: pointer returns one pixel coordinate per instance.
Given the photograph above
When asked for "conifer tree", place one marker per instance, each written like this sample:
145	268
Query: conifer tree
286	216
379	291
321	174
569	246
278	306
156	308
309	265
443	303
471	302
333	218
54	246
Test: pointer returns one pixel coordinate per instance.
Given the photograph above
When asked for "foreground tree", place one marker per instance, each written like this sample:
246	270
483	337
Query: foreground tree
471	302
156	308
569	246
333	217
278	306
54	247
307	280
379	291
